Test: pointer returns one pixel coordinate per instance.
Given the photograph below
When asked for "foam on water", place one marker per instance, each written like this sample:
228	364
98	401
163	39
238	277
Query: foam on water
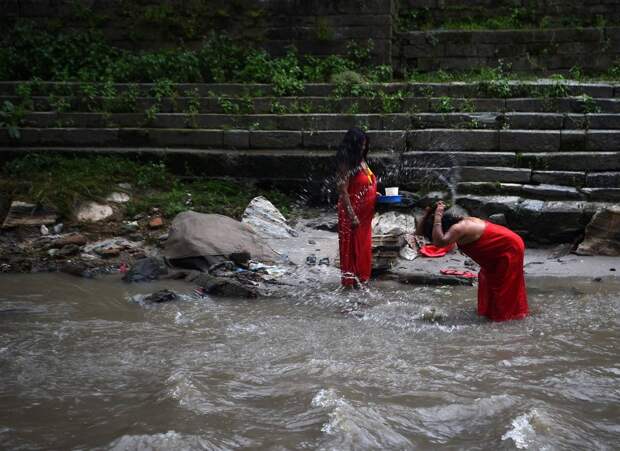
522	432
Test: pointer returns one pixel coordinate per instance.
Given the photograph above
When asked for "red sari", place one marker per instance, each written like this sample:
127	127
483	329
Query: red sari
501	283
355	244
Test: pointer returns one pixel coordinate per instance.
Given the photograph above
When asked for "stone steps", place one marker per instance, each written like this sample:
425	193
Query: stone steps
519	88
521	141
556	221
351	105
474	172
542	192
327	121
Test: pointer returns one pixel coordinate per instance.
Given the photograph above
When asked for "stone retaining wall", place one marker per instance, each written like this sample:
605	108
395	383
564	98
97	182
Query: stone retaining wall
313	26
550	12
553	50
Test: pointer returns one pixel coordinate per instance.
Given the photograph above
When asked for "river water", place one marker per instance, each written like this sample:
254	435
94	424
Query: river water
84	366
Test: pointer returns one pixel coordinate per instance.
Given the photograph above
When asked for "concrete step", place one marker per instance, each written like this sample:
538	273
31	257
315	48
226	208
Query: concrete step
544	192
452	89
314	104
397	121
392	140
570	161
519	141
507	140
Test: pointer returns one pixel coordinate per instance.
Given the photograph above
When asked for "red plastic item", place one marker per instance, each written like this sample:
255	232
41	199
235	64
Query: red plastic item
433	251
458	272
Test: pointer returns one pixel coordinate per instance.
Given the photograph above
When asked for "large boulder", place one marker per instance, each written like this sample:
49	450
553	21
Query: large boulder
266	219
195	234
602	233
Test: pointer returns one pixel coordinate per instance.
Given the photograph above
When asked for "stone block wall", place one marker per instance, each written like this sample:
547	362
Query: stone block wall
313	26
541	50
547	12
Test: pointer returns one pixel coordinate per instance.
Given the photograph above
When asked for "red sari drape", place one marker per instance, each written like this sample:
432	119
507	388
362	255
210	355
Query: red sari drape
501	283
355	244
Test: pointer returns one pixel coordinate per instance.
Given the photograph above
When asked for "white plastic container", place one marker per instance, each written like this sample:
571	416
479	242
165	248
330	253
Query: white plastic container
391	191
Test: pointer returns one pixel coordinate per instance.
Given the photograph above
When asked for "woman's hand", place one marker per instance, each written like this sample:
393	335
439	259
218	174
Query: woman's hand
354	220
439	211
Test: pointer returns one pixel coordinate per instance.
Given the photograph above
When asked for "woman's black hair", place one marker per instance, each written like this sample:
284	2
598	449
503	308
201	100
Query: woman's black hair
447	221
353	149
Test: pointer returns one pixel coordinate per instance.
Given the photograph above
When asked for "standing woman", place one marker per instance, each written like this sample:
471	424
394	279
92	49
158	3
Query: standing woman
357	189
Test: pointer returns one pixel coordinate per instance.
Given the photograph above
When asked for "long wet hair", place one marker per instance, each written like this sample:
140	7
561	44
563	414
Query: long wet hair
352	151
447	221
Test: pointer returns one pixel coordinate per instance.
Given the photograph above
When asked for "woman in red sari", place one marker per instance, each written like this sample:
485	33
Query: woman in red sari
357	189
499	252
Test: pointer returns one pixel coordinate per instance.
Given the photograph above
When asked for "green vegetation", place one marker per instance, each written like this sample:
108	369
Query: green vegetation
477	18
30	52
63	181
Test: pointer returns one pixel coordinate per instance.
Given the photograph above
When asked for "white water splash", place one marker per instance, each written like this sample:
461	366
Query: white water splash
522	432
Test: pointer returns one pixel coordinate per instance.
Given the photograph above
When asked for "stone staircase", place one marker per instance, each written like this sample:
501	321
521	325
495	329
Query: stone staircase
539	147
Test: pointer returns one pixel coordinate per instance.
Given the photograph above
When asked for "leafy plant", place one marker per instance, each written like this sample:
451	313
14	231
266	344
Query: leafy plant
193	107
588	104
391	103
445	105
11	117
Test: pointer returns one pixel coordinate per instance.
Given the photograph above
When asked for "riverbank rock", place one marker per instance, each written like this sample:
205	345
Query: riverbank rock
69	238
213	237
110	247
161	296
325	221
266	219
602	235
222	286
538	221
393	223
93	212
432	315
26	214
78	269
118	198
146	269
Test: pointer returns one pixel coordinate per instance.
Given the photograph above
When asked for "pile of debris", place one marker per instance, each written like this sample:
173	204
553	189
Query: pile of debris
392	233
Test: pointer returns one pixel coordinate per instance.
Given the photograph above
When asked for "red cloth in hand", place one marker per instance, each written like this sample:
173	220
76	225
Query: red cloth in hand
431	250
355	243
501	281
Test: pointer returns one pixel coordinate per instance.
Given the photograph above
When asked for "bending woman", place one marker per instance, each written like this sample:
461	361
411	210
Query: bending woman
357	188
499	252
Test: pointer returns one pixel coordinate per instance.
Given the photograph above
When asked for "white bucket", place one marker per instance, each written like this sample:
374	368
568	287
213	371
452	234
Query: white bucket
391	191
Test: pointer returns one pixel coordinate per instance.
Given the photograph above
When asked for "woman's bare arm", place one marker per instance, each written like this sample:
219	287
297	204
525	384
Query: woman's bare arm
343	185
452	235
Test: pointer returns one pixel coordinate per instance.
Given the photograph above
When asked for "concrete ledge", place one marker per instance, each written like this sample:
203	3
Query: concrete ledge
460	158
570	178
275	139
603	121
534	121
494	174
602	194
450	139
571	161
529	140
603	140
603	179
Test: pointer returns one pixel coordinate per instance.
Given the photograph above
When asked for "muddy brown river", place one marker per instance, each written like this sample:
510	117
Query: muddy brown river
85	366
